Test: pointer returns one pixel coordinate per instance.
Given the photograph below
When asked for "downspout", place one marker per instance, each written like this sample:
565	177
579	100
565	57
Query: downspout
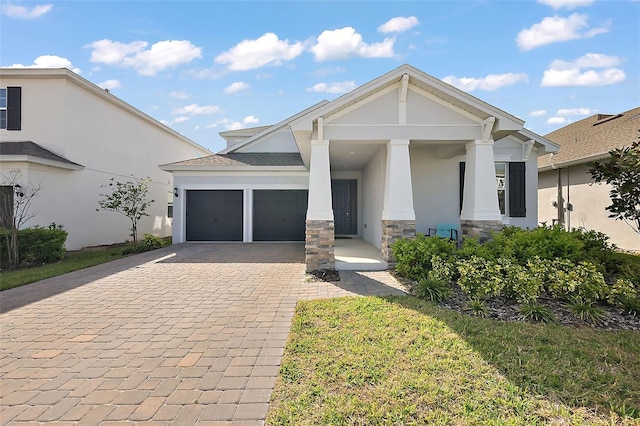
569	207
560	201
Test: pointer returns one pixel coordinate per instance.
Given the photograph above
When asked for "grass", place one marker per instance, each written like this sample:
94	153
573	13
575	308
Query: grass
402	360
72	261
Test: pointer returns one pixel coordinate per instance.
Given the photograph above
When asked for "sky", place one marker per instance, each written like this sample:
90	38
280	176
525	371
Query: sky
204	67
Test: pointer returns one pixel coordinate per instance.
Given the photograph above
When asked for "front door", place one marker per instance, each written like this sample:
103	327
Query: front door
344	196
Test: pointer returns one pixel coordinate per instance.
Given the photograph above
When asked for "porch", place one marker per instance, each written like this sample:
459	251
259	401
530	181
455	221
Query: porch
355	254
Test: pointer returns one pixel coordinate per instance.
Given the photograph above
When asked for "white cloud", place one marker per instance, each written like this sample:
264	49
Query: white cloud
236	86
553	29
179	95
160	56
49	61
234	125
22	12
488	83
323	72
110	84
250	119
346	42
337	87
265	50
180	119
538	113
568	112
557	120
581	72
195	109
566	4
398	24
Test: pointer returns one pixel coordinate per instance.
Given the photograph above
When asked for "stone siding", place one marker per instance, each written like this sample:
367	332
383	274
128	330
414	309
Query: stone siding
480	228
393	230
319	245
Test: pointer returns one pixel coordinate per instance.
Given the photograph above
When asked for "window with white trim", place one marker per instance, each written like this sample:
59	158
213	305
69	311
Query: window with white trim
501	182
3	107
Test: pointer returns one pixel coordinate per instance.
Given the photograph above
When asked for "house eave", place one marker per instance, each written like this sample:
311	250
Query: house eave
576	162
37	160
177	168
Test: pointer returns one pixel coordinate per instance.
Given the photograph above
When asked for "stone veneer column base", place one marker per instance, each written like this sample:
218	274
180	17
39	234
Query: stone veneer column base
319	245
393	230
480	228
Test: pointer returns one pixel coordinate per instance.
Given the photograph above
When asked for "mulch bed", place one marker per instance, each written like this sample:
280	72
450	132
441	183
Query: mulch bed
502	309
323	275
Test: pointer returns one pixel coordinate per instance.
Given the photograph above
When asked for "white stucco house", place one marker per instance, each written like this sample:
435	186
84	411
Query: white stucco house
69	136
567	193
398	155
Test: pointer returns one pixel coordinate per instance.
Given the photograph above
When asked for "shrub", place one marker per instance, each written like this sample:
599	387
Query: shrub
38	244
480	278
414	256
433	290
586	311
150	242
477	308
537	312
622	289
521	283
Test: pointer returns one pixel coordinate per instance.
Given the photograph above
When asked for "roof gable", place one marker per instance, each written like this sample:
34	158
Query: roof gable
33	153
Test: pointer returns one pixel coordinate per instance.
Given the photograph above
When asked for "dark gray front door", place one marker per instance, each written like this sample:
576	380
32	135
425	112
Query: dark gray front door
344	196
214	215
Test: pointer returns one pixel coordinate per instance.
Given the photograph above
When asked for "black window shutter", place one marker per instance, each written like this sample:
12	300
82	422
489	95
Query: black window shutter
14	106
461	183
517	190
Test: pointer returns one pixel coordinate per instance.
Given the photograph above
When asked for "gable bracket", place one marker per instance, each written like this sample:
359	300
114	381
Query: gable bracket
402	105
526	149
487	128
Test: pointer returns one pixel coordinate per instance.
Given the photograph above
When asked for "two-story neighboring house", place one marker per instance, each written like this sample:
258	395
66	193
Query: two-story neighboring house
69	136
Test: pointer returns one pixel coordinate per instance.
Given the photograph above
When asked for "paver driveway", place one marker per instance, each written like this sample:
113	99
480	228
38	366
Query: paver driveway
187	334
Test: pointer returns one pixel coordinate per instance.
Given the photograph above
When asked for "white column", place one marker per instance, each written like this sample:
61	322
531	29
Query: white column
480	199
247	227
398	192
319	206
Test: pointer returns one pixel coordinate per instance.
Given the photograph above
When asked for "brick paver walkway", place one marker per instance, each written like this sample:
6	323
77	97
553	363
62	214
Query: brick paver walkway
187	334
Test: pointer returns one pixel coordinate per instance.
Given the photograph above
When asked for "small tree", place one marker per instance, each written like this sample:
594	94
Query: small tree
15	210
128	198
621	170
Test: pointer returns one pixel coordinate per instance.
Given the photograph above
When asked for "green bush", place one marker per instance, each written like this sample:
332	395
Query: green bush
622	289
521	283
480	278
433	290
537	312
150	242
37	244
414	255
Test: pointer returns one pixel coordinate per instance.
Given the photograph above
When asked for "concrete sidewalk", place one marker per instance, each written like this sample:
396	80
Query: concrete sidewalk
187	334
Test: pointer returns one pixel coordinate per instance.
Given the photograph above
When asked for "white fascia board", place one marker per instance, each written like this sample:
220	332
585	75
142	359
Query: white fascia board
562	165
271	129
51	73
171	168
549	146
38	160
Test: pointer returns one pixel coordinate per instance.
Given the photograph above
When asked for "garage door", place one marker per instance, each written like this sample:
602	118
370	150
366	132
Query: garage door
279	215
214	215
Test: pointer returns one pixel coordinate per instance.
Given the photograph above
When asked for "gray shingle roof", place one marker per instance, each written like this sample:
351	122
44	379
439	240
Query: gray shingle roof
593	136
34	150
240	159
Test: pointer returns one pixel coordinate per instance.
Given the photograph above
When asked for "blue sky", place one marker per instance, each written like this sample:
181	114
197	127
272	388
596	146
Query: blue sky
203	67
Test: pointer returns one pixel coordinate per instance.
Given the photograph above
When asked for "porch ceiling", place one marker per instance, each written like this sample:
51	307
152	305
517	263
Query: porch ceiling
352	155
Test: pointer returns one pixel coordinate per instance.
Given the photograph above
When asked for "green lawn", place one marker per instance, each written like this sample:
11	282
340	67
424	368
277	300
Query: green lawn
72	261
401	360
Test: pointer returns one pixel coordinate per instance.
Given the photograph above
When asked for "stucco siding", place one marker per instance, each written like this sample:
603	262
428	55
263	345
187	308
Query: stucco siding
381	109
372	200
588	201
280	141
422	110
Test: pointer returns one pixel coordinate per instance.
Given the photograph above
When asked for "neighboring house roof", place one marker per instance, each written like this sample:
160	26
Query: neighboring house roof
31	152
246	132
592	138
239	160
44	73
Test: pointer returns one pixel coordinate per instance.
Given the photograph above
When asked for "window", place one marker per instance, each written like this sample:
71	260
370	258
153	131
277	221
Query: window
501	182
511	185
10	108
3	107
170	205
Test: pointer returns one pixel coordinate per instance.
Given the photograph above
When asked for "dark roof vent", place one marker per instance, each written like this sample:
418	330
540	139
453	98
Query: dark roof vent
603	118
